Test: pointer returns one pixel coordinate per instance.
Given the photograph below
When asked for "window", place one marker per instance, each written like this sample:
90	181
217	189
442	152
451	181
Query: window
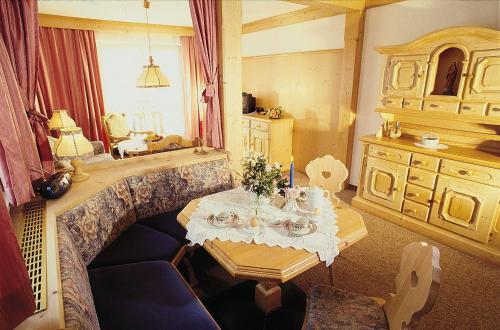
121	58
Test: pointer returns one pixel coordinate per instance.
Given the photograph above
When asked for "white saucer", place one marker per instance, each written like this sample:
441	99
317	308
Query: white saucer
436	147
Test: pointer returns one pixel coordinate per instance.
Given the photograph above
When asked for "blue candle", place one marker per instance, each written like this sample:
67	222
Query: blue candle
291	172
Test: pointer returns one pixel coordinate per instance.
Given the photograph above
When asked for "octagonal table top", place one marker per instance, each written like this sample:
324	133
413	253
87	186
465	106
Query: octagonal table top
263	263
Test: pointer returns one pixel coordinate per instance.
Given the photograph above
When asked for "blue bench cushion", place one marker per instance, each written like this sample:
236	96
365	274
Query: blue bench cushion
137	243
146	295
167	223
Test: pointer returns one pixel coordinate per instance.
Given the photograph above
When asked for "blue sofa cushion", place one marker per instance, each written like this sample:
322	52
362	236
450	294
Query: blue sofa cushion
146	295
137	243
167	223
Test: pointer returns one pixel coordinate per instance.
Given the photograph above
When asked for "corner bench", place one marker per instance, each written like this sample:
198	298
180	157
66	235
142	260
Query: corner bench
116	249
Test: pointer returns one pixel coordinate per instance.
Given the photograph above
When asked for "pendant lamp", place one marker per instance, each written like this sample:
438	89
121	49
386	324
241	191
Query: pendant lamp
151	76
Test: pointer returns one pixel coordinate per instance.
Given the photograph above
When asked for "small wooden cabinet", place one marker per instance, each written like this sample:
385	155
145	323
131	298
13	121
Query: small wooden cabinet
405	75
271	137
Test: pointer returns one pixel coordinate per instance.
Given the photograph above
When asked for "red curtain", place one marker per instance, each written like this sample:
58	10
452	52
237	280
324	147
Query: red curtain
194	85
19	31
69	79
203	15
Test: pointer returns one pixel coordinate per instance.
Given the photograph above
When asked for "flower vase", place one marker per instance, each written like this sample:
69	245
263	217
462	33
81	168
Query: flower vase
291	201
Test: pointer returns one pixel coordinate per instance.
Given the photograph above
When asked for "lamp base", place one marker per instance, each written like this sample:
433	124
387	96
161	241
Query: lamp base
78	174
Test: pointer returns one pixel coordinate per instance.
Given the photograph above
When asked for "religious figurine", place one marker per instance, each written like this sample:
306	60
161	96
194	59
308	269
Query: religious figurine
450	79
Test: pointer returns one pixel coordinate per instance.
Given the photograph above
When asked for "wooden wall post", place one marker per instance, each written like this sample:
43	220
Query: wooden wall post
229	52
353	40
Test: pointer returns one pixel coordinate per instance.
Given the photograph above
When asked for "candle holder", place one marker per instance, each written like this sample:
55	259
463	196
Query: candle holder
291	195
202	151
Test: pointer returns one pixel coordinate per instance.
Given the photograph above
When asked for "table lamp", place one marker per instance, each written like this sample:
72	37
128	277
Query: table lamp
60	119
72	145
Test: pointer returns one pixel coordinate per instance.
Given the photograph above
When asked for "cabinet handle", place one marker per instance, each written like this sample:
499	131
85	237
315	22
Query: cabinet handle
495	109
416	178
413	195
419	162
406	103
465	107
437	201
411	211
435	105
396	189
465	172
381	153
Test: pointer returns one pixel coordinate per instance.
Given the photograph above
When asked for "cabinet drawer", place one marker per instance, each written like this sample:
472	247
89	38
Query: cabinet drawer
395	155
441	106
418	194
393	102
426	162
415	210
422	178
471	172
494	110
474	109
260	125
412	104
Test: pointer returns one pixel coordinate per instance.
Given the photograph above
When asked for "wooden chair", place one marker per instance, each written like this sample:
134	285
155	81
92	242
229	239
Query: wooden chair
417	286
116	129
168	143
328	173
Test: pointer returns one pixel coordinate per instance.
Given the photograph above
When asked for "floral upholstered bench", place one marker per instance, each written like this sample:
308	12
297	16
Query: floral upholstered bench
116	248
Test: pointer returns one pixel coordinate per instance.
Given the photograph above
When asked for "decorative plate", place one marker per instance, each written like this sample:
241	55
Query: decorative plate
311	228
223	220
437	147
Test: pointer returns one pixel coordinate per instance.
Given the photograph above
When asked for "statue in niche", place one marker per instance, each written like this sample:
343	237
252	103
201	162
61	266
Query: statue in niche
450	79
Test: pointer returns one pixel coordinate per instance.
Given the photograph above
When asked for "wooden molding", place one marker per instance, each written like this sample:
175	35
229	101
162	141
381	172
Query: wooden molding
77	23
467	31
294	17
349	5
353	39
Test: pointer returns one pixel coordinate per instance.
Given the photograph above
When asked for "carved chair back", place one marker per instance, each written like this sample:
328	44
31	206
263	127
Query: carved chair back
417	286
328	173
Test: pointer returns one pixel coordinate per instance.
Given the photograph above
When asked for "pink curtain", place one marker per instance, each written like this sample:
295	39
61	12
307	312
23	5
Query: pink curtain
19	31
194	85
203	14
69	79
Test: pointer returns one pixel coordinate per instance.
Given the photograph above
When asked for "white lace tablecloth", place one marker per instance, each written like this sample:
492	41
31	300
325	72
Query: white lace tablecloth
323	242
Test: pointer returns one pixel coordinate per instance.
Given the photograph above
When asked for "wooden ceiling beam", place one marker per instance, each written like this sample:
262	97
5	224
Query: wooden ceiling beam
294	17
68	22
349	5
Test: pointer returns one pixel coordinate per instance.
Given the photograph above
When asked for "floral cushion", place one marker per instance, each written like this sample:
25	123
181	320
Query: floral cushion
79	309
100	220
331	308
172	189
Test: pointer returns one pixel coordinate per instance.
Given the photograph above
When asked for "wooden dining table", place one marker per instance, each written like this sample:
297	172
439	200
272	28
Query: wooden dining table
271	266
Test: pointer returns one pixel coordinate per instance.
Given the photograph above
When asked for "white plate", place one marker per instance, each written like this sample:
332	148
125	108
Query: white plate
223	221
311	228
436	147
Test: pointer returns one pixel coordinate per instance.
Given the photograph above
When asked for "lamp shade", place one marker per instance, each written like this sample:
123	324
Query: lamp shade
60	119
151	77
71	144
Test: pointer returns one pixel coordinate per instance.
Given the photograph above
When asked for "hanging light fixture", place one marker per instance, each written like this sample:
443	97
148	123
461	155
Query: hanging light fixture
151	75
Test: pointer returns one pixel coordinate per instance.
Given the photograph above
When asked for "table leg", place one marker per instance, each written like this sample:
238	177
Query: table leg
268	296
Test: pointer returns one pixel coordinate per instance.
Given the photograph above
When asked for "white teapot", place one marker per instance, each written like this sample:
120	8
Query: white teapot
315	197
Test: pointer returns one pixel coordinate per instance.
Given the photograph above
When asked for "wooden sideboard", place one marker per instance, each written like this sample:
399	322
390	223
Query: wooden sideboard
451	195
270	137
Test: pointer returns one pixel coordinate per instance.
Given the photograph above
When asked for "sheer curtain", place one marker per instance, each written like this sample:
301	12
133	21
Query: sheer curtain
121	58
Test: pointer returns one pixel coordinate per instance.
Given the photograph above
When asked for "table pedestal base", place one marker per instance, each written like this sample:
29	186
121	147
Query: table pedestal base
268	296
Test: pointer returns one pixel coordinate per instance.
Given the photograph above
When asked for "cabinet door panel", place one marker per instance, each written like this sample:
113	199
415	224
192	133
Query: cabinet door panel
384	183
405	75
259	142
465	207
484	77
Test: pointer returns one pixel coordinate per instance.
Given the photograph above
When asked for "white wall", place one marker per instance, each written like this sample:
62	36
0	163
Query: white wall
400	23
321	34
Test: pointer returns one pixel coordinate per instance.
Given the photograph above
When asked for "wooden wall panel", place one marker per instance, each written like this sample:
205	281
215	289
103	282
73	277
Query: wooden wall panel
307	85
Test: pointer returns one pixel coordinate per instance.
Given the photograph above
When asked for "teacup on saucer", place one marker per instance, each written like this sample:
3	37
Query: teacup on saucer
299	225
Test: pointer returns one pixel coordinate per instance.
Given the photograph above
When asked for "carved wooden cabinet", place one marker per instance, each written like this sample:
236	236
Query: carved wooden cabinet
270	137
448	83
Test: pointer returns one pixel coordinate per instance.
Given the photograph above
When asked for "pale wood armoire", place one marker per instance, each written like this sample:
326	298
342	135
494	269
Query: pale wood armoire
453	194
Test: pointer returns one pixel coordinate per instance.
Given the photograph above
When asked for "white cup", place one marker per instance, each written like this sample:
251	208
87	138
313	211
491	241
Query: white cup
315	197
299	225
430	140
